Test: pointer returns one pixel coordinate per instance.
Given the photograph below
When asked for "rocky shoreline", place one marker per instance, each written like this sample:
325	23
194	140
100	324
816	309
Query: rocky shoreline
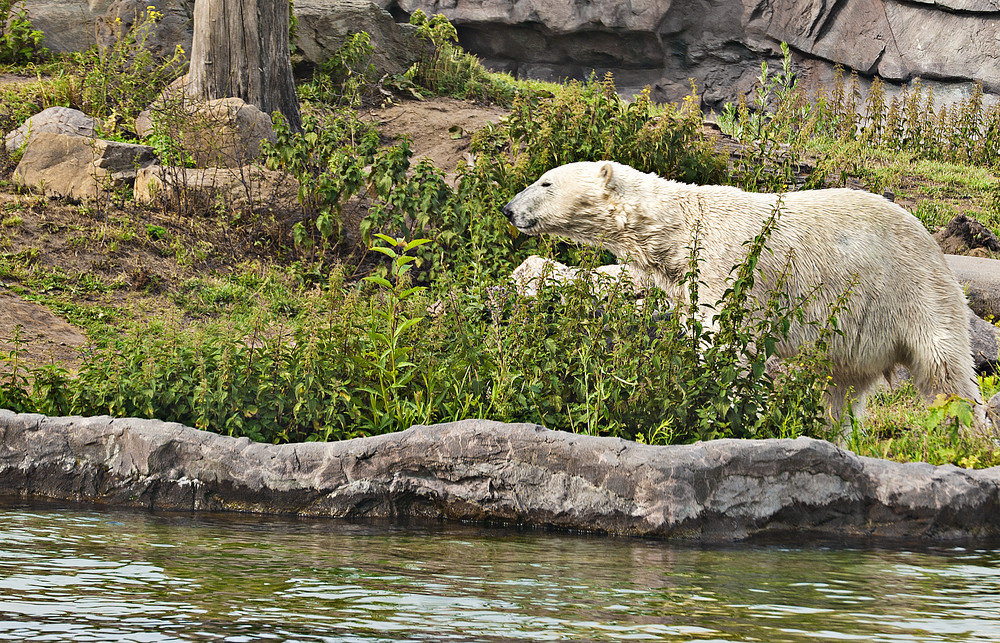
520	474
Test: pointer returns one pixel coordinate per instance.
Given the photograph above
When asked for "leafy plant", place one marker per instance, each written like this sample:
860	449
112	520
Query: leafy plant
446	69
347	77
13	380
119	81
20	42
385	356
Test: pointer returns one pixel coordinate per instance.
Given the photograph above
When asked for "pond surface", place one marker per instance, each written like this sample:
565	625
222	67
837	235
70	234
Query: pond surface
72	574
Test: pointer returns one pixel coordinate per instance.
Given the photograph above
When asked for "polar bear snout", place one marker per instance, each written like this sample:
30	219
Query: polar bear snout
521	220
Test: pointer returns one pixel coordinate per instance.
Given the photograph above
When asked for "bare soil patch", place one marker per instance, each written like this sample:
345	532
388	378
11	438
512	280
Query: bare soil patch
440	129
47	337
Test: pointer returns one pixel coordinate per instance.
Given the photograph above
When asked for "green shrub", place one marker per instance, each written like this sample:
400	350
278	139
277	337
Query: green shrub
20	42
447	70
782	115
347	77
381	355
119	81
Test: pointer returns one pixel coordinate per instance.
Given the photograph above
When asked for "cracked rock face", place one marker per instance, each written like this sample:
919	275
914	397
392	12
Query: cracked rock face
514	473
953	43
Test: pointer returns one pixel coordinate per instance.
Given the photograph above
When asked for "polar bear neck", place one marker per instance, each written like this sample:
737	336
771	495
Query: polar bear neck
654	233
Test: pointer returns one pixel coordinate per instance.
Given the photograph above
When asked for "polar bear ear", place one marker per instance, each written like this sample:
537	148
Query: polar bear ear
607	175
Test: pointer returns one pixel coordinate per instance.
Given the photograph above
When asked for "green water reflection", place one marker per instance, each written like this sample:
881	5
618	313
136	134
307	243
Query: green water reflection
78	575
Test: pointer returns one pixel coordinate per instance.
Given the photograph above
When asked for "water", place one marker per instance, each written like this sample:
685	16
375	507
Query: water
71	574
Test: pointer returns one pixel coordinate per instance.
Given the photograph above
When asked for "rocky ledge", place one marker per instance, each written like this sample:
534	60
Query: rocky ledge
521	474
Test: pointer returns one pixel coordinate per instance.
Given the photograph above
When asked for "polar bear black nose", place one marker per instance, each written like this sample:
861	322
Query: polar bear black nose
508	212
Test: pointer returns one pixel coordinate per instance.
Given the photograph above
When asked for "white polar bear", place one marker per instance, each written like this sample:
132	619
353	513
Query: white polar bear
905	307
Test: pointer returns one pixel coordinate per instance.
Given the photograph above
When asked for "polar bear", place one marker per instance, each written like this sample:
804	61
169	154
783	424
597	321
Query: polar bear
904	306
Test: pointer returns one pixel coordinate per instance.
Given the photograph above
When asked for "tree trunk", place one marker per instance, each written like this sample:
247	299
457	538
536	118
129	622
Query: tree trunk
241	49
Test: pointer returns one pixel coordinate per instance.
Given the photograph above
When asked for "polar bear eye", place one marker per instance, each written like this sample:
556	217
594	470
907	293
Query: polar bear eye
546	184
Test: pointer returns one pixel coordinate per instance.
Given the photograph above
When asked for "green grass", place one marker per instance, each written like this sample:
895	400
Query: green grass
900	426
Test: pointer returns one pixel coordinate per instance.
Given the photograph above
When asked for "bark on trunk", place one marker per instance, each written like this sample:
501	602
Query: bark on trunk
241	49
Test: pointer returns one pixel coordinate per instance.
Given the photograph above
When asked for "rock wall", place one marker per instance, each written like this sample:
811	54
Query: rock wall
951	44
323	25
720	44
512	473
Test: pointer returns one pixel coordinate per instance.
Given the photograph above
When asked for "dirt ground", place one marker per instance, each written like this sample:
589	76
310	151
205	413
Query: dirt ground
439	128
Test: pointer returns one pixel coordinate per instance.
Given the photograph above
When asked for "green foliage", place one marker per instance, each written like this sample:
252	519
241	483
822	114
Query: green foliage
446	69
900	426
771	130
783	122
347	77
585	356
342	160
13	376
20	42
119	81
386	346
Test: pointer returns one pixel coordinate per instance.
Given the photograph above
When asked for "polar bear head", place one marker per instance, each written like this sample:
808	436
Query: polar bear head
581	201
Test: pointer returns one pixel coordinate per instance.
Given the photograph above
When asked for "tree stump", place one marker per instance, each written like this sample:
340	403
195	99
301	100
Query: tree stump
241	49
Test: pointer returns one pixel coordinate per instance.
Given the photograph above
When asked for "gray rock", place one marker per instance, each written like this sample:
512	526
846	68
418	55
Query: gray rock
198	189
225	132
174	27
984	340
721	45
524	474
526	277
981	279
323	25
68	25
58	120
79	168
967	236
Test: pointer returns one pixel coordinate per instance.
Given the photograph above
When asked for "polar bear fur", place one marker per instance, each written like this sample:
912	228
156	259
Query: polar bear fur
904	307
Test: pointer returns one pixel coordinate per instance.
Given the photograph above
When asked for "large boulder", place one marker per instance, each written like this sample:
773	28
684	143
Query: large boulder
981	279
984	341
323	25
535	271
68	25
200	188
522	474
173	28
965	235
75	25
225	132
80	168
54	120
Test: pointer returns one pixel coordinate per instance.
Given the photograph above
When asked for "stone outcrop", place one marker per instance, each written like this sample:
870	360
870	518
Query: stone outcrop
967	236
950	44
173	28
224	132
77	167
513	473
981	279
58	120
68	25
663	43
536	269
323	26
198	189
984	340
